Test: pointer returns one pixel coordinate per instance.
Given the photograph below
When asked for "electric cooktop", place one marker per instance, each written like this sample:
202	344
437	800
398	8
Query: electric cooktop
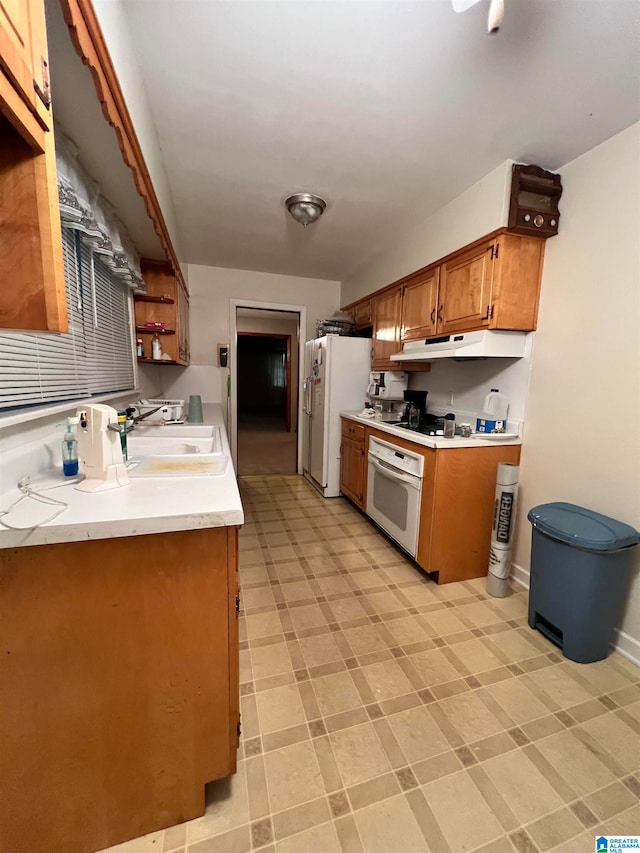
429	425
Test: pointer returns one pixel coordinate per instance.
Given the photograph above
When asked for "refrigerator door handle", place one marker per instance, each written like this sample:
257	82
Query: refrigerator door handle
307	385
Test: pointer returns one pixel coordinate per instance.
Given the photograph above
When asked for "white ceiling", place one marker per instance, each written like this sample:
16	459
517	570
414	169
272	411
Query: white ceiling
387	109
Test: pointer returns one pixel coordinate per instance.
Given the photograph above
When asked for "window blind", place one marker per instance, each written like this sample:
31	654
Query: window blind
95	357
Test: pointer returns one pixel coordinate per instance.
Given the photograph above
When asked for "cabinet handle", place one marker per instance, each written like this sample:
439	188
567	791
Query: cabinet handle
433	315
372	352
486	316
440	317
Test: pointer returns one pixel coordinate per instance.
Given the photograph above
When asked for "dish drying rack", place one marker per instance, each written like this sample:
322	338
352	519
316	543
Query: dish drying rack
168	410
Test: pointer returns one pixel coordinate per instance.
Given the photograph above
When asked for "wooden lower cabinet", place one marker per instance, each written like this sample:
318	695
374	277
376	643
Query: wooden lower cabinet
118	686
353	463
456	515
456	511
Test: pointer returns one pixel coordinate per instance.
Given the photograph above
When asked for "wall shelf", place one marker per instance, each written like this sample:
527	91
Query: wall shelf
143	330
166	300
157	360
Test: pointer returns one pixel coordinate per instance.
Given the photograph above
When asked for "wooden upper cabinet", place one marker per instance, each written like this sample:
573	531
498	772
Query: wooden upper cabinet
23	54
165	301
419	306
464	302
495	285
361	313
387	314
34	297
515	287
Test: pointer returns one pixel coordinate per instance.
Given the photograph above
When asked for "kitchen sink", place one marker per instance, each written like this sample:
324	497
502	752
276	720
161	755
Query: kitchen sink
143	445
178	450
176	431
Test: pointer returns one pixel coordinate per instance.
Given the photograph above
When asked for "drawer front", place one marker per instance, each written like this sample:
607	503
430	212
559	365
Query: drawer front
353	431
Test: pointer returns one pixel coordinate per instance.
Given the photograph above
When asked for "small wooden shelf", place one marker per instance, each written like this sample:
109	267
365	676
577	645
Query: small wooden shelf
142	297
158	360
143	330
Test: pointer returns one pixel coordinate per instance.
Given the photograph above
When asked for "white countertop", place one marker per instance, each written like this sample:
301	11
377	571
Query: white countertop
436	442
146	505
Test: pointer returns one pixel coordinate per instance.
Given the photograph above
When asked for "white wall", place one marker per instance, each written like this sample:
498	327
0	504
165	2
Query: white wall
211	289
468	384
582	435
115	28
477	211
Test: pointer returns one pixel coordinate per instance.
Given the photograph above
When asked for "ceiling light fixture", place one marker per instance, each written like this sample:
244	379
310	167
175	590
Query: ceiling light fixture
305	208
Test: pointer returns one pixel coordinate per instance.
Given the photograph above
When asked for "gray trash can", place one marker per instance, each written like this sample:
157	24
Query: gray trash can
580	563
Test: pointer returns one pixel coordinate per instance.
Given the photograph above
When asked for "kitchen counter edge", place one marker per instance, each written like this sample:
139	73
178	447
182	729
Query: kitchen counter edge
434	442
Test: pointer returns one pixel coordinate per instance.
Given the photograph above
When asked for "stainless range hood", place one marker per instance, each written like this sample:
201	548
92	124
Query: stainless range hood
483	344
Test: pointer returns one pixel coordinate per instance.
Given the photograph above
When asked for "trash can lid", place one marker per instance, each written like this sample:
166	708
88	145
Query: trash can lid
583	527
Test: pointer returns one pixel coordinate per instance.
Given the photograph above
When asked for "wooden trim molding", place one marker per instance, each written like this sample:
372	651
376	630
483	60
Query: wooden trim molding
88	40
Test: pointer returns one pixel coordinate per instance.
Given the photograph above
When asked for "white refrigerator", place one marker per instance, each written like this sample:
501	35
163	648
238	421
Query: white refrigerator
336	379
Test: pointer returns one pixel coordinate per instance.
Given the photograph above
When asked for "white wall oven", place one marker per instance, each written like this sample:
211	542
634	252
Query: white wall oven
394	489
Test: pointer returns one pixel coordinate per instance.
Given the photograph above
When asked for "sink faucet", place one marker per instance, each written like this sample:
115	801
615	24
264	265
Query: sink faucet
139	418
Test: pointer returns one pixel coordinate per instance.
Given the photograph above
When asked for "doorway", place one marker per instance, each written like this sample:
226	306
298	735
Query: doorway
267	382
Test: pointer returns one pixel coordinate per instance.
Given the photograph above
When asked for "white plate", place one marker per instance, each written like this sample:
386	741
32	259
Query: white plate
496	436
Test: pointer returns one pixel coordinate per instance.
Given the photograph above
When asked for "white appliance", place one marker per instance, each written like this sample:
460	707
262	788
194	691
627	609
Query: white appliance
385	385
487	343
337	372
394	490
100	450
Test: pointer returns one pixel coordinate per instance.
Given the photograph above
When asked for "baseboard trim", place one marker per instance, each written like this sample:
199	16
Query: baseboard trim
627	645
520	575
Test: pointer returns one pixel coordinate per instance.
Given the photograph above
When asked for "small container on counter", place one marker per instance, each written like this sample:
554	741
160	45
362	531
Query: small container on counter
70	450
122	423
449	425
140	348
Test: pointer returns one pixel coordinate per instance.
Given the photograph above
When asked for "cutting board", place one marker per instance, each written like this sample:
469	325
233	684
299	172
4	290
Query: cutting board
182	466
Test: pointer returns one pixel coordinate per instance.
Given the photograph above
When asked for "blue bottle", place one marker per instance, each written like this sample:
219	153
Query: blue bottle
70	450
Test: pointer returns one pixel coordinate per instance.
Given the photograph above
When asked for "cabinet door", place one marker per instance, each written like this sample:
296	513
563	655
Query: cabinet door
183	325
352	471
33	297
386	329
23	53
362	313
419	307
516	282
465	290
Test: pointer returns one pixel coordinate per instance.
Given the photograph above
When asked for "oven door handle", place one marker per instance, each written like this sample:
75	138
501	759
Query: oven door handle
393	473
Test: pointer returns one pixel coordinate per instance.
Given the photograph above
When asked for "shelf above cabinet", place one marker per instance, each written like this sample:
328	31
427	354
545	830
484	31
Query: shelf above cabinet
165	300
143	330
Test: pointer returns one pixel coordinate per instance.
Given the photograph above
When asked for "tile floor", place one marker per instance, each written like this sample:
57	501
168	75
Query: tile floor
384	713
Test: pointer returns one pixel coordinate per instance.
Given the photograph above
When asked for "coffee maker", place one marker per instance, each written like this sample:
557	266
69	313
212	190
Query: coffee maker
414	400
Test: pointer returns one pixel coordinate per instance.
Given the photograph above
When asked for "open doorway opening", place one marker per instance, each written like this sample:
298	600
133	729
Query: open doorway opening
267	371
